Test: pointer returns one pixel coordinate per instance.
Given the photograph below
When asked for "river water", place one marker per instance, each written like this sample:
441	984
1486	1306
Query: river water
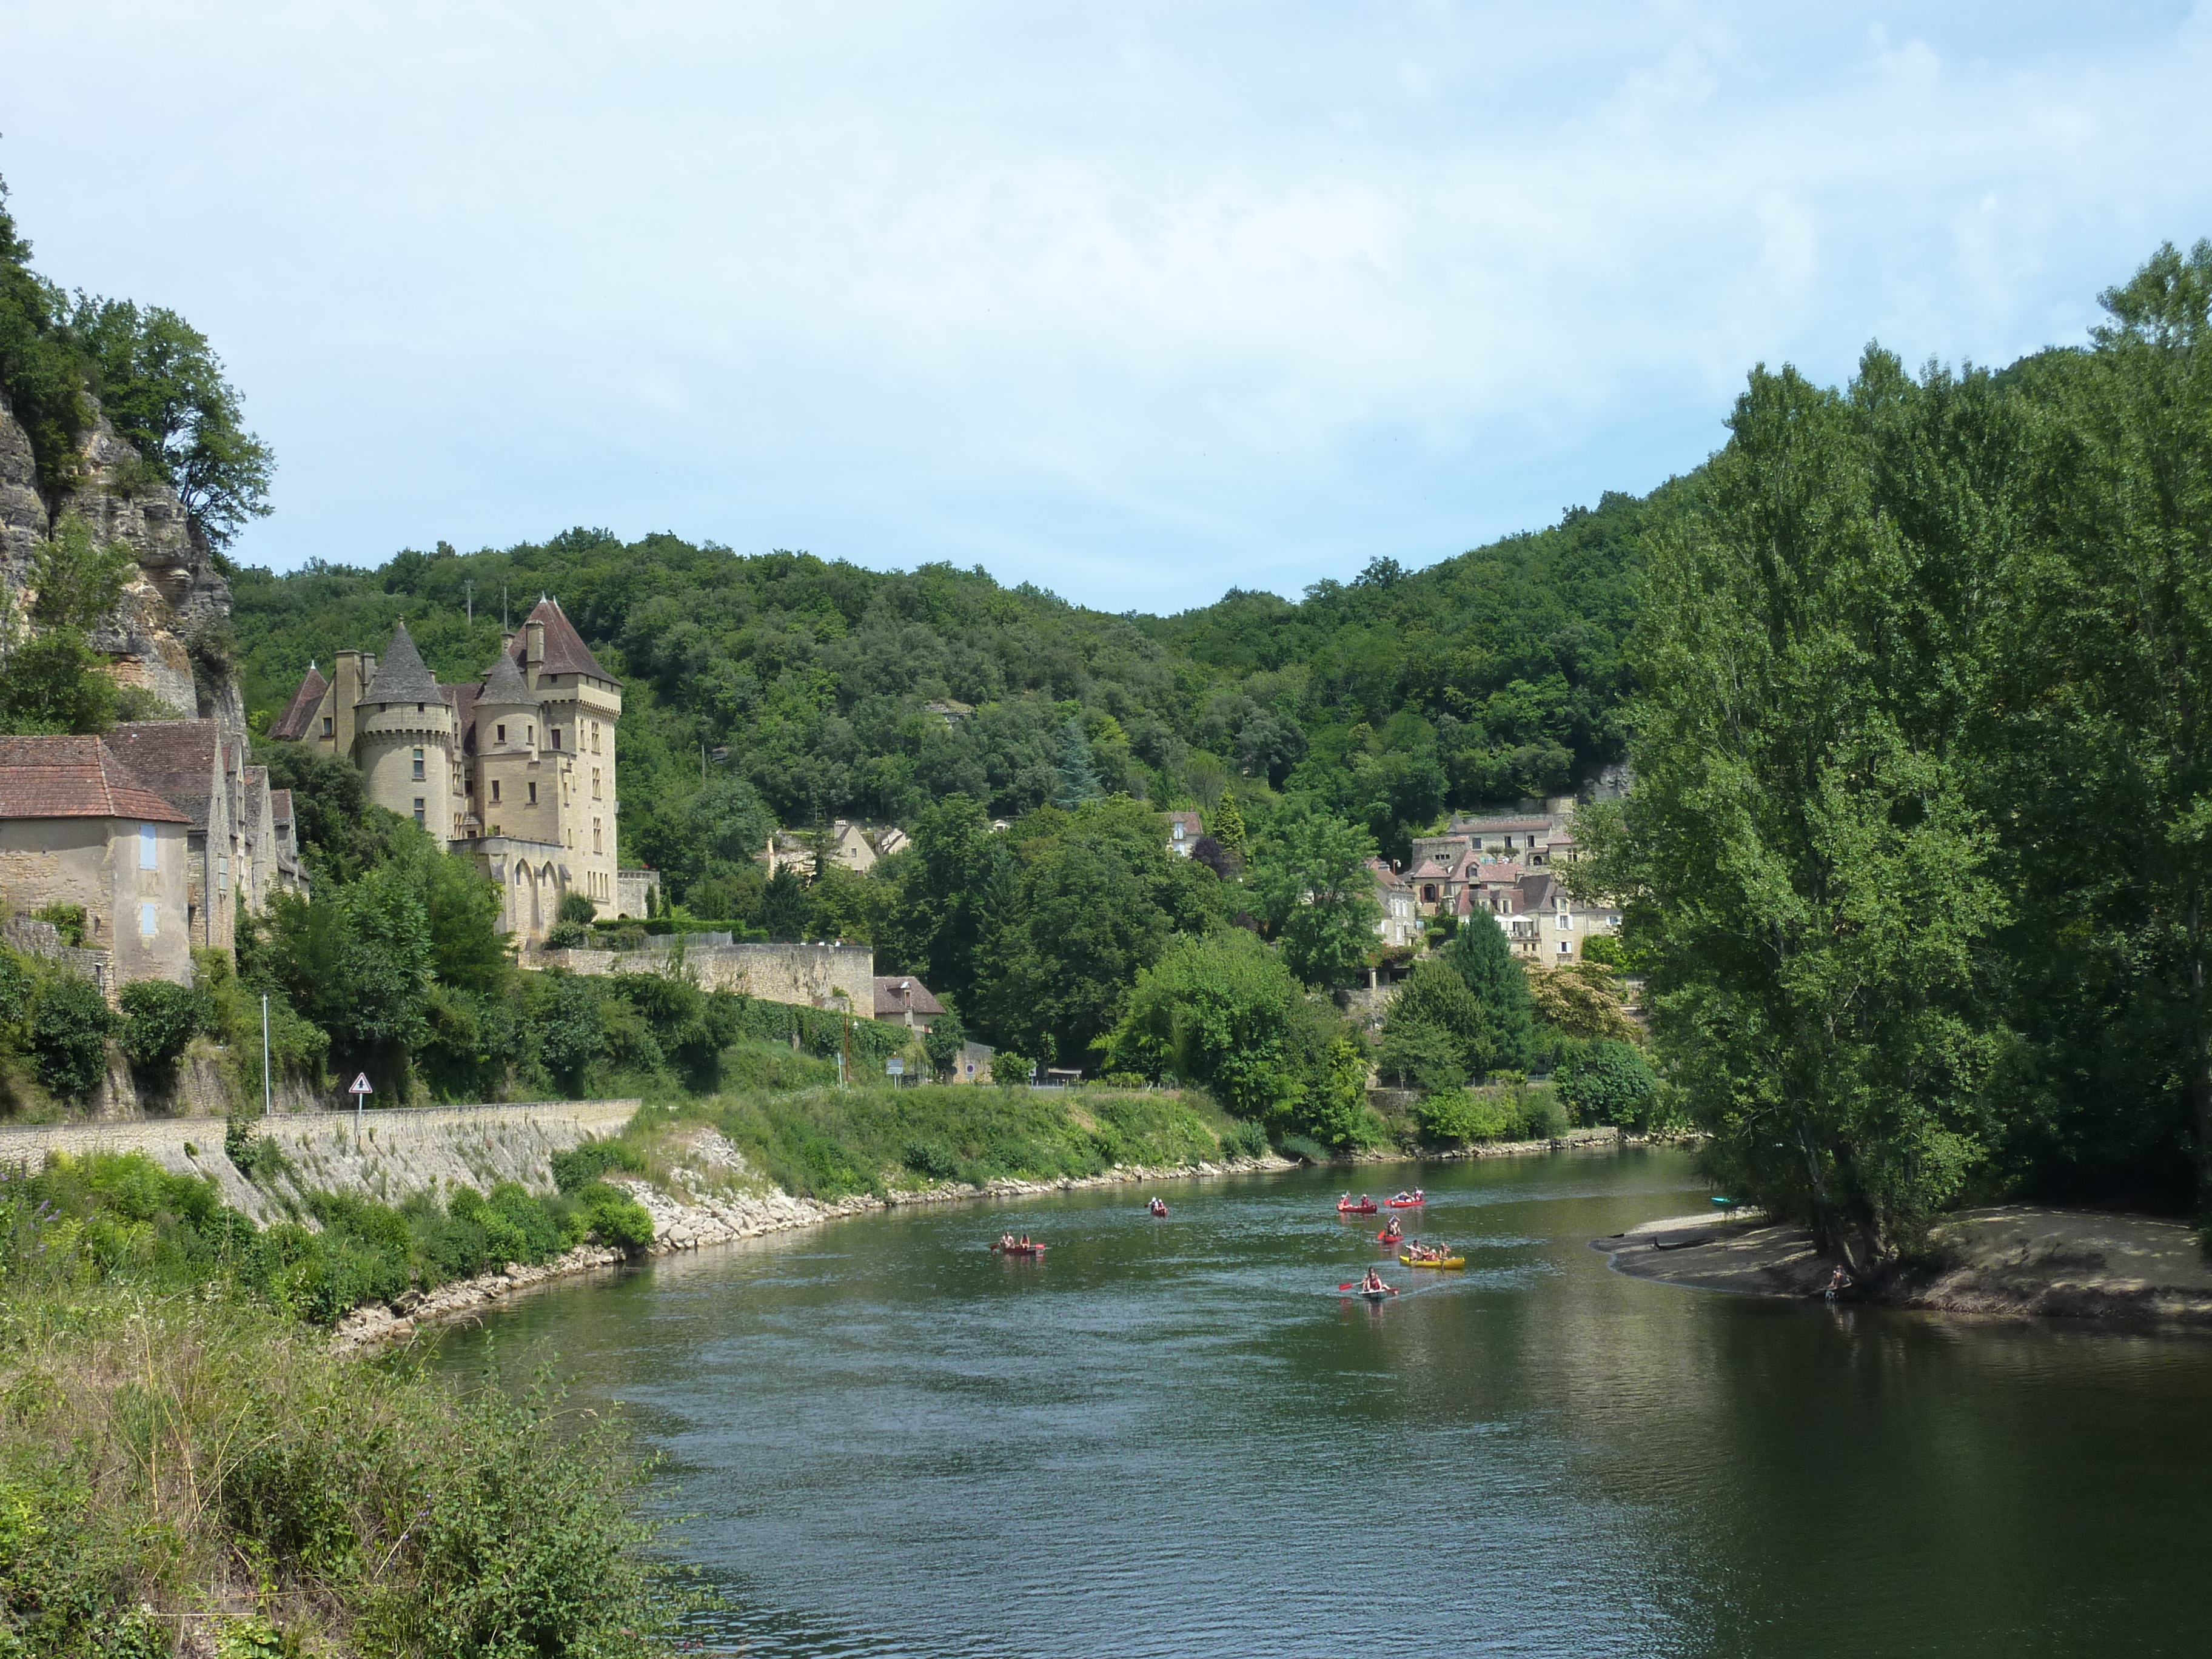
1174	1438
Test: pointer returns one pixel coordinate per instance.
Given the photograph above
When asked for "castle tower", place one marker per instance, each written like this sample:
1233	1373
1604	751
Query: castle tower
578	706
407	741
517	792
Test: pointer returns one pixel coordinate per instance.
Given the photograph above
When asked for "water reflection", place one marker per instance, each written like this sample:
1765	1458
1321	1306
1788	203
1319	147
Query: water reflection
1177	1439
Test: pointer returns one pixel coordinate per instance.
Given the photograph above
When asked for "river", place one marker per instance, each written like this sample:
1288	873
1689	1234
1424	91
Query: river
1173	1438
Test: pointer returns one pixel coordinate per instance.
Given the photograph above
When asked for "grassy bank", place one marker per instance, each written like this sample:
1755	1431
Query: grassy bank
829	1143
191	1473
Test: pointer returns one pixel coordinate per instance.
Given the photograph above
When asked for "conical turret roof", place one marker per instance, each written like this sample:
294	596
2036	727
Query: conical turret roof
504	686
401	676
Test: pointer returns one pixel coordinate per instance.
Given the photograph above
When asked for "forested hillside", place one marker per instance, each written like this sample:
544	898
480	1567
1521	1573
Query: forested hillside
1494	675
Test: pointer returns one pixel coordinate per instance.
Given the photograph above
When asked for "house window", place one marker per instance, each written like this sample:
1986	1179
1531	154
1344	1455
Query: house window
1566	947
533	794
148	918
146	848
503	732
223	875
326	725
418	809
418	765
495	792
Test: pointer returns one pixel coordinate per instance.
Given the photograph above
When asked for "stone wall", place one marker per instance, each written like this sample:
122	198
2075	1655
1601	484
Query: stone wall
812	975
394	1152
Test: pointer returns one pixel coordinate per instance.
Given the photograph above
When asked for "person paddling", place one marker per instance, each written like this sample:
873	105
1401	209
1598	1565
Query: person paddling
1837	1281
1373	1283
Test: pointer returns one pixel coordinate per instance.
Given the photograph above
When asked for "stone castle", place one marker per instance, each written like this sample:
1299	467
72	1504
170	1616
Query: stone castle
516	768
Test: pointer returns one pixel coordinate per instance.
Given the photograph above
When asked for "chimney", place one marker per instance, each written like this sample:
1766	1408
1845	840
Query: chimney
533	650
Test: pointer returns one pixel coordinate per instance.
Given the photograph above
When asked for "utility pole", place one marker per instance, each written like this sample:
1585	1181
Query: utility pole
502	607
469	591
265	1105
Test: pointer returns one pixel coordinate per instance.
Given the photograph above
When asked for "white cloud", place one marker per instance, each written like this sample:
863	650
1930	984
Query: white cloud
1136	305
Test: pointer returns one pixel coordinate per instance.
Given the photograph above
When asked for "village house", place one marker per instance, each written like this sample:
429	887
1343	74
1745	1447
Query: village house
516	768
855	847
1183	831
1401	917
904	1001
1546	925
78	827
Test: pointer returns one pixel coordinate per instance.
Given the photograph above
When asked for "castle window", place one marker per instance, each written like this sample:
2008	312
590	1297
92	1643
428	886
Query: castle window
418	764
596	848
418	707
529	734
418	809
556	737
595	783
595	737
533	794
495	792
326	725
503	734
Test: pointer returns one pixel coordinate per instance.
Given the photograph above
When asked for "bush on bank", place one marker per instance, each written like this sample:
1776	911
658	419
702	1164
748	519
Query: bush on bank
175	1467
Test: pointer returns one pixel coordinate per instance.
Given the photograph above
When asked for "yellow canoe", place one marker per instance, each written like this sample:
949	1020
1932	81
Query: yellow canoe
1449	1261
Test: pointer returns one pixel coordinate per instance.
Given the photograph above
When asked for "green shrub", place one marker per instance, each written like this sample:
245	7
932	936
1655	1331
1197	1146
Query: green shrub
567	936
583	1163
1010	1070
68	920
1246	1140
933	1159
159	1018
614	1215
1305	1148
1457	1117
69	1029
1609	1083
575	908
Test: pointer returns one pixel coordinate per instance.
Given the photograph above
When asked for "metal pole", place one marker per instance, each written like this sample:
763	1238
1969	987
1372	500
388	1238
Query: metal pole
265	1107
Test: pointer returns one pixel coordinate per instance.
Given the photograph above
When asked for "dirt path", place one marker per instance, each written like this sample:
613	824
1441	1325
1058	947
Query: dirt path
2010	1259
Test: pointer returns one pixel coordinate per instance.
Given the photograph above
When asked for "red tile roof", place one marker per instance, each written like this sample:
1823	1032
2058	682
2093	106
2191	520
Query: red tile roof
73	778
565	650
175	759
292	724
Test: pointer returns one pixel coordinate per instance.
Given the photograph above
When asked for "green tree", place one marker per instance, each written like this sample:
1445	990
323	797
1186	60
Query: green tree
1228	825
52	684
69	1027
783	905
1609	1082
1800	850
1317	893
1076	784
1481	955
162	387
358	963
1435	1003
571	1030
1222	1012
574	907
159	1018
41	371
78	582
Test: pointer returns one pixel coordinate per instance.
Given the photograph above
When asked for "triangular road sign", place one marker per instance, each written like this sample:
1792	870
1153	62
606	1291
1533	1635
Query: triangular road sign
360	1085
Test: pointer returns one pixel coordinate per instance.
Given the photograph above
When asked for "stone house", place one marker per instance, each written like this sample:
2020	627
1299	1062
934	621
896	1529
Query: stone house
78	827
1183	831
289	875
187	763
516	768
1401	914
1546	924
904	1001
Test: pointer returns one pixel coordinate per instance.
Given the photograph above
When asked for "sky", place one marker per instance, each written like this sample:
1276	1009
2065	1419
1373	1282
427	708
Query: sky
1139	302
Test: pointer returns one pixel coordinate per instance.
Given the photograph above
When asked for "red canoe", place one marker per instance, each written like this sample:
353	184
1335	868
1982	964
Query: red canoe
1367	1208
1413	1203
1390	1238
1019	1249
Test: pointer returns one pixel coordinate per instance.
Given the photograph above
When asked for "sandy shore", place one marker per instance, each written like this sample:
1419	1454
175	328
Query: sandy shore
2010	1259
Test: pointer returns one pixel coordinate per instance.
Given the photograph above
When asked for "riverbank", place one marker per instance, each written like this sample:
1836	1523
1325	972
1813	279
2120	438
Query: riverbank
2012	1259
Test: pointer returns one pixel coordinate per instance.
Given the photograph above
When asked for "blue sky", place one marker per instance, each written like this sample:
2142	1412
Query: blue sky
1137	302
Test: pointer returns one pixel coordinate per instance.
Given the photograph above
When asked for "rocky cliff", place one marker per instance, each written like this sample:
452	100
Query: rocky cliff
178	591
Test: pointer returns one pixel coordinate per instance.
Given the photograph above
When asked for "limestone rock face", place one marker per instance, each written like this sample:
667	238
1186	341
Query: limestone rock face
178	589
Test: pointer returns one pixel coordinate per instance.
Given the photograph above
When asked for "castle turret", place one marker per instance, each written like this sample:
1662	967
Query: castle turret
407	741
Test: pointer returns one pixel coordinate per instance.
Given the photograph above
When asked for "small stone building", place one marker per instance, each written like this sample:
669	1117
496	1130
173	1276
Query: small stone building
78	827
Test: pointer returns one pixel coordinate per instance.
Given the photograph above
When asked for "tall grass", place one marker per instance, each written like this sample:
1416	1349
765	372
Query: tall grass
189	1472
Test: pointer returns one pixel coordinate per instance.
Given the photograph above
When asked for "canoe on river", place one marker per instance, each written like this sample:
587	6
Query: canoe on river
1443	1262
1019	1249
1367	1208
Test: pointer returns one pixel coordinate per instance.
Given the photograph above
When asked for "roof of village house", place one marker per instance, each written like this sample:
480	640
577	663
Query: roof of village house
899	993
565	650
71	777
401	676
1499	826
1189	821
1384	873
175	759
292	724
1431	870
